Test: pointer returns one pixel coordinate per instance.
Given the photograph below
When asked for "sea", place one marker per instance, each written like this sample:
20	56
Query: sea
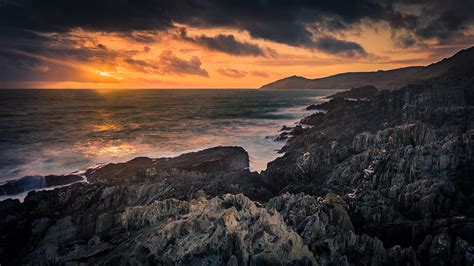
58	132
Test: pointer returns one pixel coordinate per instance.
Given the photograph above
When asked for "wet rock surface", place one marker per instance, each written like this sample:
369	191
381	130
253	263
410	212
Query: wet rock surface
288	132
388	181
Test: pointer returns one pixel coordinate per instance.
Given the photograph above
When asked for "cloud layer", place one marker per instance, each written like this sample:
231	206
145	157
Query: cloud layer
31	30
279	21
228	44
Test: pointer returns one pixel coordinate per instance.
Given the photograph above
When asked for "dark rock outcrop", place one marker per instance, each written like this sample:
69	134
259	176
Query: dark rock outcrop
220	159
290	132
217	231
336	103
364	92
402	161
325	226
74	217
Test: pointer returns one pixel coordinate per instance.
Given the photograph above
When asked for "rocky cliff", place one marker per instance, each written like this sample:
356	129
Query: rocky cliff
402	162
384	181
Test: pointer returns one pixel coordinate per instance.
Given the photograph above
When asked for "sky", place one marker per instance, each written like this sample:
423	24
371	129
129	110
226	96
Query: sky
217	43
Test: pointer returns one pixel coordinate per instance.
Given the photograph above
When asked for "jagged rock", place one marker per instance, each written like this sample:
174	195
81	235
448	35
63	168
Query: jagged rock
94	208
285	128
364	92
402	161
325	226
294	131
231	229
280	137
334	104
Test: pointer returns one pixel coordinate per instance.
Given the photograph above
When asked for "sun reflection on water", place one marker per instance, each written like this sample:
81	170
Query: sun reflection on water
106	127
116	149
111	126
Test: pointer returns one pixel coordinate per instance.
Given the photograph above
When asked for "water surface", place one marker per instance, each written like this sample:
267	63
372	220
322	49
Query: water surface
61	131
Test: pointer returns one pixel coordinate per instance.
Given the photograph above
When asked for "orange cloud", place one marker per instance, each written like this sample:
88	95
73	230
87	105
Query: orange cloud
148	59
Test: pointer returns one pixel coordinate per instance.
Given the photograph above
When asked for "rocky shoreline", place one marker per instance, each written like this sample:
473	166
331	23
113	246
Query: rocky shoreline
402	162
384	181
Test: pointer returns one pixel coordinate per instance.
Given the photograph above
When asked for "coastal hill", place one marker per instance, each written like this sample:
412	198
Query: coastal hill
383	80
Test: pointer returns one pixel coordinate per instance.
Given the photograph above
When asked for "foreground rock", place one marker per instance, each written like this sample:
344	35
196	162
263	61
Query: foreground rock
219	159
93	207
325	226
230	230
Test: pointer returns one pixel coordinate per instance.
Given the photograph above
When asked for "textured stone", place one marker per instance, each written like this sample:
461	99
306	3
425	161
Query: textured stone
231	229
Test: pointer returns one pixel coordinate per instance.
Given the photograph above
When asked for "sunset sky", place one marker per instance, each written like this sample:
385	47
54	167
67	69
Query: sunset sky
219	44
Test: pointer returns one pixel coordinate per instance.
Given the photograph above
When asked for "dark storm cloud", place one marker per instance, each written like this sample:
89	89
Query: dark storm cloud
145	37
297	23
17	62
283	21
444	21
228	44
19	67
441	19
169	63
339	47
31	56
56	46
405	41
101	15
16	67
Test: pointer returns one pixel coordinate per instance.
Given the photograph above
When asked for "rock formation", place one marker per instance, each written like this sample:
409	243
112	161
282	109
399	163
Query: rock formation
403	163
75	223
364	92
221	230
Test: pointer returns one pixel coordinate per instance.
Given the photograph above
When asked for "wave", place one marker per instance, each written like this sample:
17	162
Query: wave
131	127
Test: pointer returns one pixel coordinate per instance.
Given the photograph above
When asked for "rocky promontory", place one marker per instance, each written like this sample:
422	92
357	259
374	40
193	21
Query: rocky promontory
402	162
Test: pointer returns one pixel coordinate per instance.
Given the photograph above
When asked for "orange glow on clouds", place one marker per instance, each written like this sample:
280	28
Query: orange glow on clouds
168	61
